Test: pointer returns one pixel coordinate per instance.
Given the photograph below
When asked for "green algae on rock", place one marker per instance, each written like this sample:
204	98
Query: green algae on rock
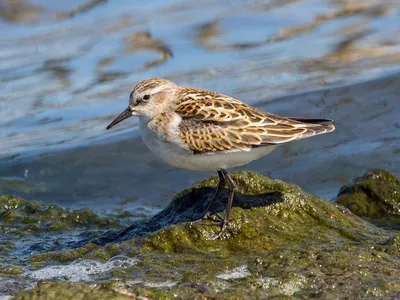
281	243
10	202
60	290
375	196
39	228
35	216
33	234
265	212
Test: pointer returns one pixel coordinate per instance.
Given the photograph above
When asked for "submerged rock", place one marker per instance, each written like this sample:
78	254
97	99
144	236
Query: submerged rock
375	196
30	227
31	216
282	242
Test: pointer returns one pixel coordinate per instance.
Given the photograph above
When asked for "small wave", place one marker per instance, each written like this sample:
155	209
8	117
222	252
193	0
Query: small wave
237	273
85	270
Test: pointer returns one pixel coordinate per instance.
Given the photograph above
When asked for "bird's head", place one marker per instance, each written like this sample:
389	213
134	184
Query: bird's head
147	99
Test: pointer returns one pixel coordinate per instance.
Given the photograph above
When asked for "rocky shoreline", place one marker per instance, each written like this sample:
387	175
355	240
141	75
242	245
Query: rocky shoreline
283	243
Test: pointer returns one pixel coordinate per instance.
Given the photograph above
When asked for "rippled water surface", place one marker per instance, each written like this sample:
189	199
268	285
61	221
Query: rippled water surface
66	69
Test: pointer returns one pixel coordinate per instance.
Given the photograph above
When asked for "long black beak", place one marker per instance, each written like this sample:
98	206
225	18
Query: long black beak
127	113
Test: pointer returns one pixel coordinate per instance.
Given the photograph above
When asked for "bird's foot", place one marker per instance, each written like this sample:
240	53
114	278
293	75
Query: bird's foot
211	217
208	216
219	235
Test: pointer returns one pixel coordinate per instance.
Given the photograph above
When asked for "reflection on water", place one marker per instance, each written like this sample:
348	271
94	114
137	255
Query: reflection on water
66	68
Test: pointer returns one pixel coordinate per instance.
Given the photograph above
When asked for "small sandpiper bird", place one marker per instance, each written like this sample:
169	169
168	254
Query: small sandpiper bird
206	131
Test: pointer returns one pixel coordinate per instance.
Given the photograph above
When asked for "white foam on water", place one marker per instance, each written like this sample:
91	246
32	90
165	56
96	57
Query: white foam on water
165	284
84	270
287	288
237	273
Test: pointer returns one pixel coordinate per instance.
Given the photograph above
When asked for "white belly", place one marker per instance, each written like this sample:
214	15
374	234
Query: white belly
179	157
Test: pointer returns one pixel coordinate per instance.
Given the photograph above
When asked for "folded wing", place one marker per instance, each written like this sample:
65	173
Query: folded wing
213	122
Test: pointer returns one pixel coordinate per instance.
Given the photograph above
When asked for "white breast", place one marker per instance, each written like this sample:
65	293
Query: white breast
174	154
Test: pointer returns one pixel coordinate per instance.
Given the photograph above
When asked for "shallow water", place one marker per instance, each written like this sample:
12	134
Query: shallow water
66	70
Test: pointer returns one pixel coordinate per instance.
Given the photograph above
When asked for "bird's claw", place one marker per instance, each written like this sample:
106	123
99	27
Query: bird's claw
219	235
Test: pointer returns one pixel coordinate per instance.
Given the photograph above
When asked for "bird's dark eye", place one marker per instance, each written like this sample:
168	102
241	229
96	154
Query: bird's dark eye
146	97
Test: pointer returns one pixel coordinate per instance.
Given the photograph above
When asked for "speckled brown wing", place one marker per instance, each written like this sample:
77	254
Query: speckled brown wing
213	122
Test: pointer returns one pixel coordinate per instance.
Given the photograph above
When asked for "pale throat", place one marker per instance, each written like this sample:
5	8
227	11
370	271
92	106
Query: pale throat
164	125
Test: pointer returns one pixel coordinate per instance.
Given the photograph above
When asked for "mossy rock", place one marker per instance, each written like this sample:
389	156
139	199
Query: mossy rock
8	203
53	290
32	216
266	212
281	243
375	196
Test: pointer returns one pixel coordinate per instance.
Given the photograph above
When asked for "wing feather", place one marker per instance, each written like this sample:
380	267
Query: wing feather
213	122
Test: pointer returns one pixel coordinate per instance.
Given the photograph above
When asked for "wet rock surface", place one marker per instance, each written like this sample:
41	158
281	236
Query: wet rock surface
34	216
31	227
282	242
375	196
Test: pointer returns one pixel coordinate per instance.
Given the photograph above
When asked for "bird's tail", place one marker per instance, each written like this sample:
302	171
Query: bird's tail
315	126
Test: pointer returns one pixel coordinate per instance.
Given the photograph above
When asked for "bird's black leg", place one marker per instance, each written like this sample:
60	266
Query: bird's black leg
228	210
221	185
232	187
210	207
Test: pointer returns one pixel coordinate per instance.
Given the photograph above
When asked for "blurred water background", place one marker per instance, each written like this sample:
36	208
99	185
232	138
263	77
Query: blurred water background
66	69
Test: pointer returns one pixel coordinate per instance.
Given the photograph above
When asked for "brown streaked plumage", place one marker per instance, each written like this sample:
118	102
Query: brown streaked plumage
215	122
201	130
